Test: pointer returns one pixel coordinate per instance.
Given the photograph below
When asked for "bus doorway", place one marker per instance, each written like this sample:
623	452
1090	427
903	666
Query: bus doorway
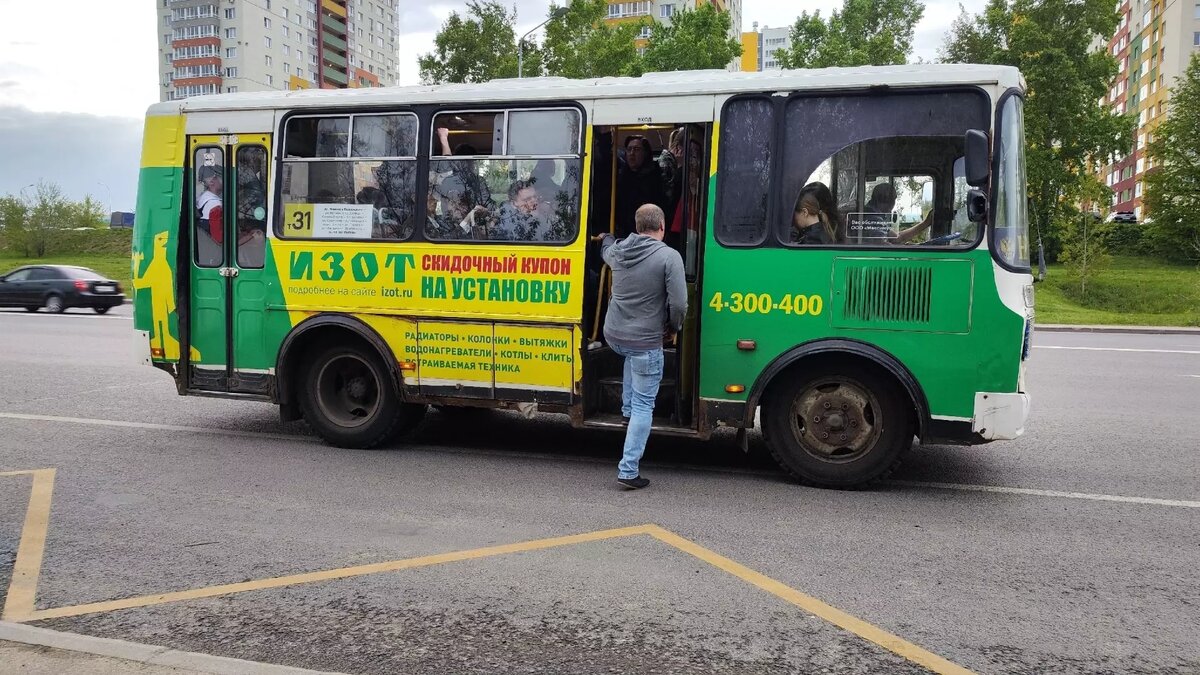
661	164
227	234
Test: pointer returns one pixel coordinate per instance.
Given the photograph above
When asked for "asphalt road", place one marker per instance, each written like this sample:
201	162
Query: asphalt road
1025	580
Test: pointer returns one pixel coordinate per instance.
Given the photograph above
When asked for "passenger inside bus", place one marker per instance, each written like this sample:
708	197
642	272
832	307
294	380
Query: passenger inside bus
251	198
815	219
639	182
463	149
517	219
882	203
210	202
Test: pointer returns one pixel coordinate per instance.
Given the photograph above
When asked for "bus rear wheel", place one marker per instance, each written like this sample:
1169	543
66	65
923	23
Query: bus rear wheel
838	427
349	400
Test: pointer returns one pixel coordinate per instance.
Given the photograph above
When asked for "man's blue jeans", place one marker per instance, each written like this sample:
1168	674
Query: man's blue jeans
643	375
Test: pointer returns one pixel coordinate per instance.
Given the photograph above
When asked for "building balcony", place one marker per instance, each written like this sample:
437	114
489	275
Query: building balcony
333	24
335	58
334	41
335	7
334	75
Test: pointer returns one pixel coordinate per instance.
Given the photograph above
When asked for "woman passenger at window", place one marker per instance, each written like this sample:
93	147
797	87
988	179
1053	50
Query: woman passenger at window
815	220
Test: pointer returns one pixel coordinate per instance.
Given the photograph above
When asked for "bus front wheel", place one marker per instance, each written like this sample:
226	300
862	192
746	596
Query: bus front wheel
349	400
838	426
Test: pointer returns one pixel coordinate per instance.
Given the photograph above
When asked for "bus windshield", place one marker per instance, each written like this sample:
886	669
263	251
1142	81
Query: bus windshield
1010	230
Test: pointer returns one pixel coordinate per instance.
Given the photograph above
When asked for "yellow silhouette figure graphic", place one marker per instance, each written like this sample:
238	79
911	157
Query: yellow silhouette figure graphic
160	281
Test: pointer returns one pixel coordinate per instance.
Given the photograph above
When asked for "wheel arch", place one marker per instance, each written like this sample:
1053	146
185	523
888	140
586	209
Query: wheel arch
835	348
315	330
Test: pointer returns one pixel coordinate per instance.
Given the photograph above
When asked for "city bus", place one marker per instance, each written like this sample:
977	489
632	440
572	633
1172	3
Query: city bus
356	256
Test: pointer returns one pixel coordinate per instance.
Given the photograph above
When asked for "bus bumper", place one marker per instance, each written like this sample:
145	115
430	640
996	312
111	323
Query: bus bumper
1000	417
141	347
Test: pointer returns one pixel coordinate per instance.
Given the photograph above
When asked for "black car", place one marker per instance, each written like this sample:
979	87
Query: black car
57	287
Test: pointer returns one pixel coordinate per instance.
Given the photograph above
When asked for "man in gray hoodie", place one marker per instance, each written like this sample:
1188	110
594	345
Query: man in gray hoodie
649	300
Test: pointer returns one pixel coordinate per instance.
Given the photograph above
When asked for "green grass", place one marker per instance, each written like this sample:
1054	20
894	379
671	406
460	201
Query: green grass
1130	291
112	265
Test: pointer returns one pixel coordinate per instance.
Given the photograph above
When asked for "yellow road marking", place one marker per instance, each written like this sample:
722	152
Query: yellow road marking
329	575
22	588
842	620
811	605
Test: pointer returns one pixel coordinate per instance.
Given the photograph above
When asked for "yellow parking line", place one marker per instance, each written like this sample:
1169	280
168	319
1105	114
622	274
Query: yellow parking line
833	615
329	575
21	595
22	588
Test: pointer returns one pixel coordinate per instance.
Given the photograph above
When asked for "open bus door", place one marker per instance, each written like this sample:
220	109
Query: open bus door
675	410
227	283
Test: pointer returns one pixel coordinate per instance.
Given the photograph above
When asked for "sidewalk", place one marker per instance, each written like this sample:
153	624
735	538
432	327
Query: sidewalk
1145	330
40	651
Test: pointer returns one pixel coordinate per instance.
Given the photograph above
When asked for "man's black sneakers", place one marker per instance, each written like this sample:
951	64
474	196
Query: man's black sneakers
635	483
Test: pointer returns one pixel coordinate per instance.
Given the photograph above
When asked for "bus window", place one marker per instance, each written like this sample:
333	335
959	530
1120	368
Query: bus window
339	184
209	190
747	136
528	190
251	173
889	162
317	137
384	136
543	132
1011	231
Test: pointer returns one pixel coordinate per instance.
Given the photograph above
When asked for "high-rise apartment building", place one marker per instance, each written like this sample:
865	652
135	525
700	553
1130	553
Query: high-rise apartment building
212	46
759	47
662	10
1154	41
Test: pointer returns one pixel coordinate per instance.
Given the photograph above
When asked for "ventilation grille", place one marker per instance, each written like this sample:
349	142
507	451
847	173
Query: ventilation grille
889	295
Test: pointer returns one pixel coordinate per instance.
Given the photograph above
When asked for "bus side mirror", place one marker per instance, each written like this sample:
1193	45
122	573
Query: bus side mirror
977	205
977	160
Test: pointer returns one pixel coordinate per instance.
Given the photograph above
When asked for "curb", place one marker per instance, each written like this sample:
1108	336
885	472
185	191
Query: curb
1128	330
142	653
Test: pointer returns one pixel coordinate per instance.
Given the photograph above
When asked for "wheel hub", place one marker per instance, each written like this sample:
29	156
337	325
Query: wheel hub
348	391
835	420
356	388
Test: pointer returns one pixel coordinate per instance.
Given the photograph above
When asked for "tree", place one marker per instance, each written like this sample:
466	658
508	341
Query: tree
29	224
87	213
581	45
1065	131
13	213
49	210
862	33
1172	195
1084	251
480	47
695	40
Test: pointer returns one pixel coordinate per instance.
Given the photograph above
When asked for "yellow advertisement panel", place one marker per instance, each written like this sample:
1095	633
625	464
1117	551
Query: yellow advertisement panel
455	359
534	360
526	283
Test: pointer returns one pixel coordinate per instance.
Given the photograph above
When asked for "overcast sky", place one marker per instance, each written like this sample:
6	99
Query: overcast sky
76	77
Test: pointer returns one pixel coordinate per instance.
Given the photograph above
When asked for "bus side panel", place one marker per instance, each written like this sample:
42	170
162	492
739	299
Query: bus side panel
156	237
431	302
970	341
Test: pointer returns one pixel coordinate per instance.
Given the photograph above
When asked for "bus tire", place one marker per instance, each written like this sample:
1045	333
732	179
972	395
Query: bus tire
349	400
838	425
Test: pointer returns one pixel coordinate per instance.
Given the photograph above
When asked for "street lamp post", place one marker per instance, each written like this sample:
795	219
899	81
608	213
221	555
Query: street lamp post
556	14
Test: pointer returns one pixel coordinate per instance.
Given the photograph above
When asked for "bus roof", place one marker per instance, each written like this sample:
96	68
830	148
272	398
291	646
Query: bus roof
697	82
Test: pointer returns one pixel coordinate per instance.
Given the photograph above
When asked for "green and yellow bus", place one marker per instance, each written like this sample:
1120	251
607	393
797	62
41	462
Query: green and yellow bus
358	255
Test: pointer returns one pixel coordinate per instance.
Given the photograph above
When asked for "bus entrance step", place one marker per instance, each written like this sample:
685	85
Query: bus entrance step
661	425
610	395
